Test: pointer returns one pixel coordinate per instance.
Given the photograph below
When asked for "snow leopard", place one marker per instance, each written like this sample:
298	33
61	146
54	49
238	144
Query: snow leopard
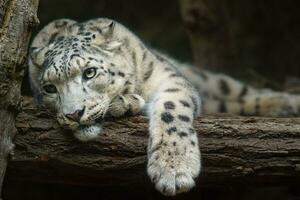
85	71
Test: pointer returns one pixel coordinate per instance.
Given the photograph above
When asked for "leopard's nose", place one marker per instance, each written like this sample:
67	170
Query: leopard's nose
75	116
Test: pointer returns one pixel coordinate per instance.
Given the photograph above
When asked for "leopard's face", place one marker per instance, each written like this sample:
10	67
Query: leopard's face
77	81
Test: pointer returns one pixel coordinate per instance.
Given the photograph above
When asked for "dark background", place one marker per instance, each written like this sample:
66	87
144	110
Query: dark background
263	35
265	51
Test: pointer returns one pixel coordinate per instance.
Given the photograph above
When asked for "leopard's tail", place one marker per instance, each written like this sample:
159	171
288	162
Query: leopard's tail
221	93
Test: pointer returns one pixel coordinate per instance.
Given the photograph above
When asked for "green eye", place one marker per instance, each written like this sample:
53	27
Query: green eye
51	89
89	73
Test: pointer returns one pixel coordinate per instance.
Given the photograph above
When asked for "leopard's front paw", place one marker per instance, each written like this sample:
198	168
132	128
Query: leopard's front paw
128	103
173	169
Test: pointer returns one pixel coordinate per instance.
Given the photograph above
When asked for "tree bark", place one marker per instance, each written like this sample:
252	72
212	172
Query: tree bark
233	149
17	18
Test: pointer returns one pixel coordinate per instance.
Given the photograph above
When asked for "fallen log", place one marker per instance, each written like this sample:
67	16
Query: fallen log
233	149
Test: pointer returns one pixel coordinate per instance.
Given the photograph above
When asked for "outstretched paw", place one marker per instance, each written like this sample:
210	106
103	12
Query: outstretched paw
173	168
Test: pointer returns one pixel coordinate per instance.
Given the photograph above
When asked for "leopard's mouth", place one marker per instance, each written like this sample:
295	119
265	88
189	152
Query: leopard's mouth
99	120
88	132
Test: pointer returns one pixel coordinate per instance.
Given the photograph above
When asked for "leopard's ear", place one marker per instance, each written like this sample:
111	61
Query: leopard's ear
37	56
105	34
102	28
108	29
50	32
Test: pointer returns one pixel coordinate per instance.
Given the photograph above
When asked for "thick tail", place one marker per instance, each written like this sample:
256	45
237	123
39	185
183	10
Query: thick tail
221	93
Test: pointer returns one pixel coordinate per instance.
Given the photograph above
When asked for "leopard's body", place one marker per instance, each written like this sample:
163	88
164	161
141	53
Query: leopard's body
84	71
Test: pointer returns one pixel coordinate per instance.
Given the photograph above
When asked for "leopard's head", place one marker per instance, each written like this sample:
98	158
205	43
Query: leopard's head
74	70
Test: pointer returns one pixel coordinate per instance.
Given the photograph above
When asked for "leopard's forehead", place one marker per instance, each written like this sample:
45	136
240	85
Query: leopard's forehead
64	48
77	46
67	56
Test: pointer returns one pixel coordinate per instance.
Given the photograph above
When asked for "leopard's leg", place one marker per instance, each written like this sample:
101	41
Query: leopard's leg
173	151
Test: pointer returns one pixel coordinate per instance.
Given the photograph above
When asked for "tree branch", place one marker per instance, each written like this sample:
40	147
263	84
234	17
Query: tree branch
233	148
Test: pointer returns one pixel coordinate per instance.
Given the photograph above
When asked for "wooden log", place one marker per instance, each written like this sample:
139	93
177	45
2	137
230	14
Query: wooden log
233	149
17	18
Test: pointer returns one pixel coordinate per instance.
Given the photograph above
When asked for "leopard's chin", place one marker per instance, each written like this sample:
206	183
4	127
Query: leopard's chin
88	132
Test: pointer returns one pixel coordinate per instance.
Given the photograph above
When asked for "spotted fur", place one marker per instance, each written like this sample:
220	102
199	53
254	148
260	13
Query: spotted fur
86	71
